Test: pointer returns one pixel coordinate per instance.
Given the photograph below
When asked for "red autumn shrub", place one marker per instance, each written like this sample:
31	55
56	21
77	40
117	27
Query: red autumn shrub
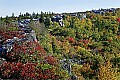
51	60
71	39
10	70
38	47
85	41
28	71
118	19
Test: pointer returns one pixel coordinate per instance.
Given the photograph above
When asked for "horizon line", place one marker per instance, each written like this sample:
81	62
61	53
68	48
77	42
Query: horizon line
24	12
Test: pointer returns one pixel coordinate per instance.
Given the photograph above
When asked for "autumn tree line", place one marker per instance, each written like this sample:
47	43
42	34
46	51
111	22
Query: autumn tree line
94	39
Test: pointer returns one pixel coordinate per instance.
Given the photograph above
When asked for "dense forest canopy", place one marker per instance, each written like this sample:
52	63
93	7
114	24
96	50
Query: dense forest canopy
70	46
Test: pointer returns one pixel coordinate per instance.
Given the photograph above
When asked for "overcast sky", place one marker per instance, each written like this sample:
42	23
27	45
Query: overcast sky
7	7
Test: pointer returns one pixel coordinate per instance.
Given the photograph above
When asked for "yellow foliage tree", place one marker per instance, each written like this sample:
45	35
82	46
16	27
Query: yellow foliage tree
106	72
